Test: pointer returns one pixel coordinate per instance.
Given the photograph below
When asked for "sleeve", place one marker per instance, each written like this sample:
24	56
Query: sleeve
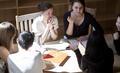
66	23
36	27
96	25
83	63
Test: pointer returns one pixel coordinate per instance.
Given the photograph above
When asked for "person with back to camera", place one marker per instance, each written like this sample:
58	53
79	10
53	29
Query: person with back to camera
26	61
116	36
98	56
45	26
76	23
7	35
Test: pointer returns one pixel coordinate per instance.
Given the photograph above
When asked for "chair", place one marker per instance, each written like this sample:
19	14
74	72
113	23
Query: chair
24	22
92	11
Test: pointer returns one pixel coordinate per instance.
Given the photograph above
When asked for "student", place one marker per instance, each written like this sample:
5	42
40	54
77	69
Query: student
77	21
25	61
116	36
98	56
45	26
7	34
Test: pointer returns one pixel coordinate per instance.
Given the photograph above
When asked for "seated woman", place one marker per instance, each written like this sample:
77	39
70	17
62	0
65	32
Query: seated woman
77	21
25	61
116	36
98	56
7	34
45	26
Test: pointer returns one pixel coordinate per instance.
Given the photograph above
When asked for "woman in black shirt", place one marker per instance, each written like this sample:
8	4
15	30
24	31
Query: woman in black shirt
77	21
116	36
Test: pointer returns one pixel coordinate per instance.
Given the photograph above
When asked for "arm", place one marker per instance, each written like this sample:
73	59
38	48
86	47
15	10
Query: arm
53	30
54	33
44	36
4	53
68	25
35	26
39	33
69	30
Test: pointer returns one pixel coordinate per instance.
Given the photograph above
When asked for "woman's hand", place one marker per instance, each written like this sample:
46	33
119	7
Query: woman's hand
70	20
49	23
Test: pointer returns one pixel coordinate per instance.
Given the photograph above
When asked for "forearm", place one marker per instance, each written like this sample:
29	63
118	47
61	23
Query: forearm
54	34
69	30
44	36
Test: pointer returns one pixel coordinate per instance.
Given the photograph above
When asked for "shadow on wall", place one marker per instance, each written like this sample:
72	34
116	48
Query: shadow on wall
61	31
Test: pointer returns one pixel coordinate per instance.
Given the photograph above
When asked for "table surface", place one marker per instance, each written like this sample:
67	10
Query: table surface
71	65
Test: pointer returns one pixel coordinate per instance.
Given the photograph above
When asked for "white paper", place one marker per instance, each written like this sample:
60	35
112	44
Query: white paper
70	66
81	49
59	46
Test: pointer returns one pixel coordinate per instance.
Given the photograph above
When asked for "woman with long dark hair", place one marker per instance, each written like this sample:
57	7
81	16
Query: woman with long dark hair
98	56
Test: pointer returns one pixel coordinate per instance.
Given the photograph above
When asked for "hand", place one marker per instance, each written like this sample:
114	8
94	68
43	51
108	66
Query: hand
49	25
70	20
49	20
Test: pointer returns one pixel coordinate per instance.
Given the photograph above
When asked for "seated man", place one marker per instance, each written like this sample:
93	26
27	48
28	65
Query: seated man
25	61
116	36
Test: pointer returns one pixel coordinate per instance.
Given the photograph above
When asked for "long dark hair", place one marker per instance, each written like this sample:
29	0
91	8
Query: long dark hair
96	45
96	39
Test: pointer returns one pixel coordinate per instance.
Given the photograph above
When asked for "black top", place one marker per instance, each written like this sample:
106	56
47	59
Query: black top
83	28
98	56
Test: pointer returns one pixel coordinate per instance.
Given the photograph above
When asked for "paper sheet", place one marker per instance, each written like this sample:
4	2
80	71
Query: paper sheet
59	46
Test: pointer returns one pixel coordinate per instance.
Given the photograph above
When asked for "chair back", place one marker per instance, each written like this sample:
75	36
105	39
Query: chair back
92	11
24	22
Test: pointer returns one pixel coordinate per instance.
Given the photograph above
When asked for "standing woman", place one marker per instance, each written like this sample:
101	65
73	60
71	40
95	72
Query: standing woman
45	26
77	21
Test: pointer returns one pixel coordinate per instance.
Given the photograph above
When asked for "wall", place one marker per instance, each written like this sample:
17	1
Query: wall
107	10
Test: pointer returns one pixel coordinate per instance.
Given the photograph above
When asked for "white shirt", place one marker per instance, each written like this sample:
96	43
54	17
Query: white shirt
36	47
25	62
39	28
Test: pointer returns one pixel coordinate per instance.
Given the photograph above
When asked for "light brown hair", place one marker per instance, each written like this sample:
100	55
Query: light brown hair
7	34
